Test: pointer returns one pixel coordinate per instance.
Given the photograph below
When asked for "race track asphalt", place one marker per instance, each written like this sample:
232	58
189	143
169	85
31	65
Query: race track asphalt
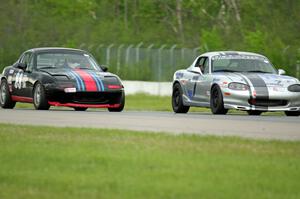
258	127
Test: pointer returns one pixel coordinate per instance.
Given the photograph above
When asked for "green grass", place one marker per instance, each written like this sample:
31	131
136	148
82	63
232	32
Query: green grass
44	162
145	102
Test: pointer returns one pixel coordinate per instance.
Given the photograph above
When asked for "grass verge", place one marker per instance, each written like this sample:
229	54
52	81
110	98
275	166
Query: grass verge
48	162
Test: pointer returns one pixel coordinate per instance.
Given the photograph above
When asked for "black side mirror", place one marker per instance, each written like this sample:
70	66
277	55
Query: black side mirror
22	66
104	68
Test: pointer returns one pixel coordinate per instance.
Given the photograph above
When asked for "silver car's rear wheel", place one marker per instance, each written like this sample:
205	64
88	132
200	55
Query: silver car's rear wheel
177	101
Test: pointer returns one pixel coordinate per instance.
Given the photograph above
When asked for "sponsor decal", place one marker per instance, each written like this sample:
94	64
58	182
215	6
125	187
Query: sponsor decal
195	78
11	71
190	94
9	79
19	81
234	56
179	75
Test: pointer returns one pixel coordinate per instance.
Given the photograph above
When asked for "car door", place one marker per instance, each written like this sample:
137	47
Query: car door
194	76
202	88
29	76
20	77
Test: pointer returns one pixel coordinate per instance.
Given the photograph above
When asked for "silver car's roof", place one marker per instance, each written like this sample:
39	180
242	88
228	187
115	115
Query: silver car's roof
210	54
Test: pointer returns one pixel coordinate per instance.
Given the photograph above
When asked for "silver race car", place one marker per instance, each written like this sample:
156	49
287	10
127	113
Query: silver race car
235	80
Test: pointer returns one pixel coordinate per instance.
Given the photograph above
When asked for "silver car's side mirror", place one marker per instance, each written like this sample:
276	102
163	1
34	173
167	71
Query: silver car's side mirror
281	72
196	70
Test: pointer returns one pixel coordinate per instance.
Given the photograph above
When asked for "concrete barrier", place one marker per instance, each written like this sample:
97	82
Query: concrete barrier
151	88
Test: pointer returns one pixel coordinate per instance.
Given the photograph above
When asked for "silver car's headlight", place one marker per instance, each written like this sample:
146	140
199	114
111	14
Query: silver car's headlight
294	88
238	86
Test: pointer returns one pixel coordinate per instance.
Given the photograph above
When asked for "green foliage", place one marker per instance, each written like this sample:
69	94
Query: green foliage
211	40
268	27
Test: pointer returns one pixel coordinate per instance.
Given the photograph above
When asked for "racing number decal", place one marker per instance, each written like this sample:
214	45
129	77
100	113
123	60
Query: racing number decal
19	80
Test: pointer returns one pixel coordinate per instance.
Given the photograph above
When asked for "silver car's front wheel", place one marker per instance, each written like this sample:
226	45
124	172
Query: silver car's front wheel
292	113
216	101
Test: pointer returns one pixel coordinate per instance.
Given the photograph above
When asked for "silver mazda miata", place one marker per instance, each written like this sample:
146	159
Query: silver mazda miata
235	80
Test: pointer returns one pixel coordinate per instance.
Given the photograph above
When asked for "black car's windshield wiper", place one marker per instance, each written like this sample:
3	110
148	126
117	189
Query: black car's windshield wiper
257	71
46	67
225	70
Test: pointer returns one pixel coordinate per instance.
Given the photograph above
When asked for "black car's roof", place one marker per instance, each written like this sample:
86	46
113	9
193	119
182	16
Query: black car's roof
55	49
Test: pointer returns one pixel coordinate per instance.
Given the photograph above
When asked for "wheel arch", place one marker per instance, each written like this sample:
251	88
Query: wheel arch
3	78
176	82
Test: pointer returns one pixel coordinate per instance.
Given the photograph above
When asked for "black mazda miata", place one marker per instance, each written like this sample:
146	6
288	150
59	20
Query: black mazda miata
60	77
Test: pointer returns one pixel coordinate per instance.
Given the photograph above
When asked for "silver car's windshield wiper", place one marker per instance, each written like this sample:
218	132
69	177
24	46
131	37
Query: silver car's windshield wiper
257	71
225	70
84	68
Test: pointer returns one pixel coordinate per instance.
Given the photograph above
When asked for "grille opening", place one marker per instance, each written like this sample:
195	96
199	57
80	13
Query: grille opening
88	97
267	102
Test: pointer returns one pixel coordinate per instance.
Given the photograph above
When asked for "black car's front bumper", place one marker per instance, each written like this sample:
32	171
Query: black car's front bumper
100	99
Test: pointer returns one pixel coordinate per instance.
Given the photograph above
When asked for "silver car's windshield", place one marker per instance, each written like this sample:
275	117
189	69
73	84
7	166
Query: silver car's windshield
66	60
241	63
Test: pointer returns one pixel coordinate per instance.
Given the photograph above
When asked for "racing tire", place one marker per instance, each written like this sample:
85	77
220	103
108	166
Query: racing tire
254	112
216	101
5	97
122	104
80	108
292	113
177	101
40	101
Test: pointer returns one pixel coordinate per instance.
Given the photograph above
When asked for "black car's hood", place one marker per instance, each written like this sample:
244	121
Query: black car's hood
69	72
84	79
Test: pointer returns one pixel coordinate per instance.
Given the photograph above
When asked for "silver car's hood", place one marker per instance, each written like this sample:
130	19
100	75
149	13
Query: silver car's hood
267	78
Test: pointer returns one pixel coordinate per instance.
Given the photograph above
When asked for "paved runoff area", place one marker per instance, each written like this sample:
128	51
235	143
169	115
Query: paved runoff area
258	127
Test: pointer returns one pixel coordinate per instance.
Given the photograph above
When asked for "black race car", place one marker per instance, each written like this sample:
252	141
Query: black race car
60	77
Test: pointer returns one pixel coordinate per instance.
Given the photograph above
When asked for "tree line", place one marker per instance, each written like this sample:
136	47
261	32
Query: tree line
269	27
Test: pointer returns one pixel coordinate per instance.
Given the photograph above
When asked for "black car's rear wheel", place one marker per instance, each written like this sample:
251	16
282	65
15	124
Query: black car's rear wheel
122	104
40	101
5	97
80	108
254	112
292	113
177	101
216	101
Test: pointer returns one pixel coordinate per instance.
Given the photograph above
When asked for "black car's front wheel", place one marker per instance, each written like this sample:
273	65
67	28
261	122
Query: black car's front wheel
216	101
292	113
40	101
122	104
177	101
80	108
5	97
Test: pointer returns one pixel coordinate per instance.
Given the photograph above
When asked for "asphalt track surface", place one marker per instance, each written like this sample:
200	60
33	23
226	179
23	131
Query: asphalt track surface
258	127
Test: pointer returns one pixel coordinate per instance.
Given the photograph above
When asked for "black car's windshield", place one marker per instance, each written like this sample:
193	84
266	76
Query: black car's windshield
241	63
54	60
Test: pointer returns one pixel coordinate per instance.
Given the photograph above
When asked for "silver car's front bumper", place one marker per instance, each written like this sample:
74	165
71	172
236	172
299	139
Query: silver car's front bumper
240	100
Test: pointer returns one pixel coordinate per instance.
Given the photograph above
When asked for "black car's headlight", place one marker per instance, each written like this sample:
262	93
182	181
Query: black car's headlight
294	88
238	86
